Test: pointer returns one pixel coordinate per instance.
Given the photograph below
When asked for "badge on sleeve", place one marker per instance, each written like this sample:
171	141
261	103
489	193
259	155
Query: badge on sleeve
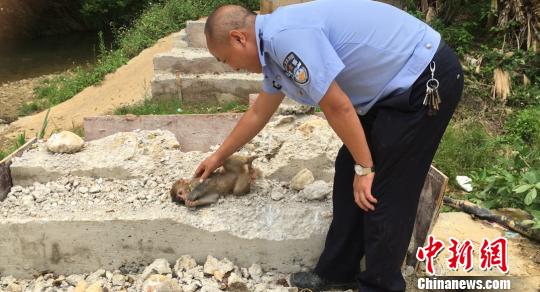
296	69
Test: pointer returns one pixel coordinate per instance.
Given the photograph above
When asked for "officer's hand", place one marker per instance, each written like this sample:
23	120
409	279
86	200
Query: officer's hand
362	191
208	166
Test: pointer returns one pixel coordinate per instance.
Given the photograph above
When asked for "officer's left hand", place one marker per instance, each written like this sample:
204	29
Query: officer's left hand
362	191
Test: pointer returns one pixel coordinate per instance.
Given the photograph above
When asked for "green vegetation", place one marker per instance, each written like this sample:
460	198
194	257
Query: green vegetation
158	20
170	107
495	135
19	141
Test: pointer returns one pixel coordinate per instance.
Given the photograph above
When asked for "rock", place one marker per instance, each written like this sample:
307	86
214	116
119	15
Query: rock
316	190
236	283
95	276
118	280
161	283
277	195
283	289
65	142
301	179
282	121
14	287
95	287
191	287
159	266
184	263
408	271
83	190
291	107
95	189
81	286
217	268
255	272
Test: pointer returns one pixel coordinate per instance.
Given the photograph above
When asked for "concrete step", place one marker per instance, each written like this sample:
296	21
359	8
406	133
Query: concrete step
195	37
129	221
206	88
188	61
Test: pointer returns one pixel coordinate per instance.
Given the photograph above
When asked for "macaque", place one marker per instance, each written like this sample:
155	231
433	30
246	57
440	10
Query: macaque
235	178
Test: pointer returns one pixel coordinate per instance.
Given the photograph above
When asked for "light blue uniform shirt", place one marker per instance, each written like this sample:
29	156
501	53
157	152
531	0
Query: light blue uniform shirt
370	49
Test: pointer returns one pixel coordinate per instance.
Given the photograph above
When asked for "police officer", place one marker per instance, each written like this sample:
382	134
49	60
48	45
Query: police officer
387	85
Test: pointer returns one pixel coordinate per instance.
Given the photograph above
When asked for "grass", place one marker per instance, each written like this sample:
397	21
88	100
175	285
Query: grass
157	21
19	141
170	107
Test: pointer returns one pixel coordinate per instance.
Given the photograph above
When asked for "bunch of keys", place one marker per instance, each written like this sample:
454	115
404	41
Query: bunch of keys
432	99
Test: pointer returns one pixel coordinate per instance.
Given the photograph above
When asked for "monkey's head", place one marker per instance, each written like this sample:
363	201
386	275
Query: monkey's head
180	190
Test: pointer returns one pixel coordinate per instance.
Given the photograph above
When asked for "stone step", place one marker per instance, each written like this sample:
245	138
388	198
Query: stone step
206	88
195	37
188	61
128	221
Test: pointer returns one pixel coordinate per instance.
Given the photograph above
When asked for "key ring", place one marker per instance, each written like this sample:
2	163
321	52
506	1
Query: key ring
432	84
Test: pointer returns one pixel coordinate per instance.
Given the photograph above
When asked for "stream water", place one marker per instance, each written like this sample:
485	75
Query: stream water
21	59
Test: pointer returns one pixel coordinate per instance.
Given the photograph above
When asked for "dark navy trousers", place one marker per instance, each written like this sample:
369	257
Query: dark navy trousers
370	247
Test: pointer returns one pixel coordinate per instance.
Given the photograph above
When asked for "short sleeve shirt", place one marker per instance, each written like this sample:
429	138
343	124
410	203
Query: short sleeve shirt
370	49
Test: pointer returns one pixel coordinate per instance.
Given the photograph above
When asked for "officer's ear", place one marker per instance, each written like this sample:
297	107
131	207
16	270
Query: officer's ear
237	38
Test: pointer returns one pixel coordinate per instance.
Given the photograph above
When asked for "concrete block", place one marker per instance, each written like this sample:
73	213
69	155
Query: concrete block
166	86
195	33
124	159
188	61
179	40
207	88
69	244
220	88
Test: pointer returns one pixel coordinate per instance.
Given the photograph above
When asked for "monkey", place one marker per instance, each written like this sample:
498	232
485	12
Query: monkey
235	178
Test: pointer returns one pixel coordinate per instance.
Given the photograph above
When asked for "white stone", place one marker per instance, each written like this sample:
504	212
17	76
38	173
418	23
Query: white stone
255	271
159	266
236	283
65	142
217	268
161	283
301	179
317	190
95	276
184	263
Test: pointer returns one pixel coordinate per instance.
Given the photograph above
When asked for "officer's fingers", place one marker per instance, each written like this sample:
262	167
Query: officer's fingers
358	202
199	170
205	174
370	196
365	202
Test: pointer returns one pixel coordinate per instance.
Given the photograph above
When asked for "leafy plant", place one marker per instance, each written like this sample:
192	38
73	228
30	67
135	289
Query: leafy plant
530	184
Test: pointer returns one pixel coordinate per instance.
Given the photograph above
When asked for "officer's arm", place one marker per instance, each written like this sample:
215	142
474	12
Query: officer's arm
342	117
251	123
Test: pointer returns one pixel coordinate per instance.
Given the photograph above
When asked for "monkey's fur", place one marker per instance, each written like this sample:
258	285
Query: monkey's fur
235	178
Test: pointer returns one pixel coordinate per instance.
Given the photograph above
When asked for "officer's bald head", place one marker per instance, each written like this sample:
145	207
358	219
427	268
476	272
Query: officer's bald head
225	19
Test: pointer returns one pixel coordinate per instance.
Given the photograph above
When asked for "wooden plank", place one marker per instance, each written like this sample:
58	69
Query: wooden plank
5	173
429	206
193	132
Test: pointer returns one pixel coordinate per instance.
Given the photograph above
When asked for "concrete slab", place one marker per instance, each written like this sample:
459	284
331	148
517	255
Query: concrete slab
206	88
122	156
68	244
193	132
195	33
188	61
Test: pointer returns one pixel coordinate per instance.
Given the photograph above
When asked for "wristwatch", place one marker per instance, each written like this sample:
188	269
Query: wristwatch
360	170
